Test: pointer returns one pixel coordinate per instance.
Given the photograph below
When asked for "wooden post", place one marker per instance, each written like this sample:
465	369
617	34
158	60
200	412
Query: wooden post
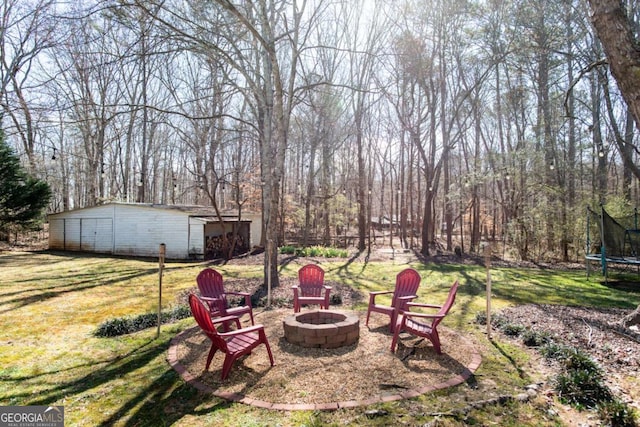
160	268
487	261
268	273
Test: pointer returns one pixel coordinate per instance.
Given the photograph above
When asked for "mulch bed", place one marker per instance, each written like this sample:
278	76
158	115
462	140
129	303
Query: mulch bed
594	330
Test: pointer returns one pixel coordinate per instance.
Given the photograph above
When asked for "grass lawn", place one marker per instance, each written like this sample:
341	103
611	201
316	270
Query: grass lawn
50	305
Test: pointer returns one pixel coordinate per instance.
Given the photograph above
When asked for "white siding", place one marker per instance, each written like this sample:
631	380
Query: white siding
255	229
72	234
88	228
139	231
105	232
56	234
134	229
196	238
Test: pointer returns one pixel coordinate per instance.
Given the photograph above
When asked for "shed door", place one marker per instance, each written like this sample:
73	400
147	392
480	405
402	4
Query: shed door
104	235
96	235
72	234
56	234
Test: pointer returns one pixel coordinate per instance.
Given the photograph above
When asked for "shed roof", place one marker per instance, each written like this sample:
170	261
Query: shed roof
207	212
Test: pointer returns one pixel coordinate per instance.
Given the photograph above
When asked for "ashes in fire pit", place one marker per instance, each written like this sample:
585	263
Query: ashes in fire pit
322	329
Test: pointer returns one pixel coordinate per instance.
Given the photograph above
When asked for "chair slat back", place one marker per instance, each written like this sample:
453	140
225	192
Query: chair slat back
447	305
201	314
311	280
211	285
407	283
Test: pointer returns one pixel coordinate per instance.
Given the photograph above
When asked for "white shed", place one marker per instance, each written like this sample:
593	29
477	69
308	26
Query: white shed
138	229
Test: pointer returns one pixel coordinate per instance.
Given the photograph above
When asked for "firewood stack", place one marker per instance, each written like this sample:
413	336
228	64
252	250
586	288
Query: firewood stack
218	246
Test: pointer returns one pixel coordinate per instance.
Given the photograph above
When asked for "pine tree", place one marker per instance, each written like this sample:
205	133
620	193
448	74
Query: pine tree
23	198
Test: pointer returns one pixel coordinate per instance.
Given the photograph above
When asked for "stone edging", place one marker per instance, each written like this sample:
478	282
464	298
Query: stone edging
172	358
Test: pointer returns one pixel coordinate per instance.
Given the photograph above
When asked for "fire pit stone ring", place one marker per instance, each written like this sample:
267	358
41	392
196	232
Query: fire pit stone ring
322	329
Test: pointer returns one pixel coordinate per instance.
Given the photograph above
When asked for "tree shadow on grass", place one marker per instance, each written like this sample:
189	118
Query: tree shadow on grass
82	282
623	285
163	401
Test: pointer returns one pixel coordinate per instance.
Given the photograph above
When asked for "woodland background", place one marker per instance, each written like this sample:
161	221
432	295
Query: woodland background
448	122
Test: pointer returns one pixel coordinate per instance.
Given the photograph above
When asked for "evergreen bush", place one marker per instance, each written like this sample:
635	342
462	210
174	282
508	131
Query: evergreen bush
127	325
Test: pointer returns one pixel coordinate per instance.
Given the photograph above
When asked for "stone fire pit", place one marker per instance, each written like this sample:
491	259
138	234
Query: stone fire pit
322	329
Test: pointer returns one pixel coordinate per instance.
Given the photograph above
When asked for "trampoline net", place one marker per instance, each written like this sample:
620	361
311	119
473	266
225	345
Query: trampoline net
621	235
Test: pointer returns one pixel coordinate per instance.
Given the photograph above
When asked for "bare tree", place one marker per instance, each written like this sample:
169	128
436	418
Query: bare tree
26	30
260	41
614	29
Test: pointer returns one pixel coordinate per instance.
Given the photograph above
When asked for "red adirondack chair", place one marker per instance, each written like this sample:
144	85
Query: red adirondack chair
424	324
407	283
233	344
310	288
212	292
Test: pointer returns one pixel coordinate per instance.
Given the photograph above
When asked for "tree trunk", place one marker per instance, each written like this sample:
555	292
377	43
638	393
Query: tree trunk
619	44
614	29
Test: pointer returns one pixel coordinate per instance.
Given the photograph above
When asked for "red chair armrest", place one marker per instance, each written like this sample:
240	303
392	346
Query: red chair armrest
405	300
254	328
410	314
374	293
242	294
223	319
418	304
215	303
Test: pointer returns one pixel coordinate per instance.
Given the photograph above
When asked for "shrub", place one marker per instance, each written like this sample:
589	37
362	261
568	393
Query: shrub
578	360
499	321
555	351
126	325
481	318
331	253
288	250
581	388
314	251
512	329
532	338
616	413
